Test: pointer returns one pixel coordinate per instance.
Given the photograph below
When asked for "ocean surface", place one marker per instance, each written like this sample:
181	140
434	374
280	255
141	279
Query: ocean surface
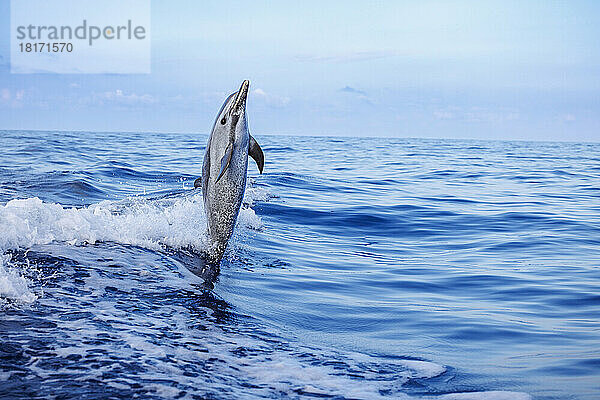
361	268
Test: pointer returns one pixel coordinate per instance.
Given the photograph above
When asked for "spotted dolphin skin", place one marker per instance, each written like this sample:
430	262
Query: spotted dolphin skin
224	170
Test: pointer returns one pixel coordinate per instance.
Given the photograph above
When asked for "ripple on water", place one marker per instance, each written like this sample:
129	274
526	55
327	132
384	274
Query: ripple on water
393	268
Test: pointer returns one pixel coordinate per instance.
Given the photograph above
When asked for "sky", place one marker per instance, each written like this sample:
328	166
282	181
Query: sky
518	70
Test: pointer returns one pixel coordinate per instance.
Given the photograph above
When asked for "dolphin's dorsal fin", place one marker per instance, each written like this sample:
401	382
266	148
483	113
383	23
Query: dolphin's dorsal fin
226	160
256	153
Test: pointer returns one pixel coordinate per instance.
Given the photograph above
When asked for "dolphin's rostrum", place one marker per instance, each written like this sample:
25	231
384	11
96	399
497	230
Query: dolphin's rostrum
224	170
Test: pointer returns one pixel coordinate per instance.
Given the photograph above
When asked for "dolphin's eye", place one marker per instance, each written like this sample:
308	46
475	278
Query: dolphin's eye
223	121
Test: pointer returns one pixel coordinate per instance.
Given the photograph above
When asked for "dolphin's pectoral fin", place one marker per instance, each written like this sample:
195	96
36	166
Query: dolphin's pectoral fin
226	160
198	183
256	153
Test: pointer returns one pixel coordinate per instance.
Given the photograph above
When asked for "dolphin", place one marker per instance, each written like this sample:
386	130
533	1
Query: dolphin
224	170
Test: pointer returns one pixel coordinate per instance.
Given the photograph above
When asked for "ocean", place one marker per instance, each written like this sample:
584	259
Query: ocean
361	268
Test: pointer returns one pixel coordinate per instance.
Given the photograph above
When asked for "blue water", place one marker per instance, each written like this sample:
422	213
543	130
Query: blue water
360	268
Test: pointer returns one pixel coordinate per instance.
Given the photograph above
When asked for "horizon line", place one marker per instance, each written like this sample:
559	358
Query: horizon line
311	135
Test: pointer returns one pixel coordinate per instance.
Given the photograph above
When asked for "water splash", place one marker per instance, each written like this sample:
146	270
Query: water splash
173	222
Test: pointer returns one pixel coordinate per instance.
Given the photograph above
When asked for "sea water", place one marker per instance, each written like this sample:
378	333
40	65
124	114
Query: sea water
360	268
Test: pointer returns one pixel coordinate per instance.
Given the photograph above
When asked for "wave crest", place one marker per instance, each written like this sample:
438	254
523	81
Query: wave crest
174	222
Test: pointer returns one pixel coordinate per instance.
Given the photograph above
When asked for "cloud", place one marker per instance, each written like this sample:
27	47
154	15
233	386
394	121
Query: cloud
476	114
349	89
121	98
495	116
347	57
443	114
271	99
360	94
568	118
75	85
14	99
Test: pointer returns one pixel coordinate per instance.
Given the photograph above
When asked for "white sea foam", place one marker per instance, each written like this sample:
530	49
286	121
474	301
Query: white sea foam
145	223
489	395
289	376
422	369
175	222
13	285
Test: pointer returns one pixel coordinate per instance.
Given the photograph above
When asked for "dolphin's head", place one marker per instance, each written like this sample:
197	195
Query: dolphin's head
231	119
